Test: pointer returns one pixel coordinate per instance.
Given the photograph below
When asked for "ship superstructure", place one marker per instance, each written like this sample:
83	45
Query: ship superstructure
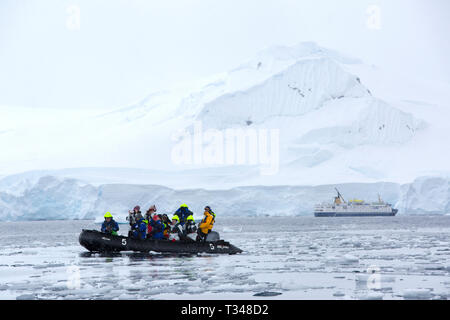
354	208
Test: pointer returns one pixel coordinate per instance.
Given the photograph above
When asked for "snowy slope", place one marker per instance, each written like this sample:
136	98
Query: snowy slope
329	122
309	97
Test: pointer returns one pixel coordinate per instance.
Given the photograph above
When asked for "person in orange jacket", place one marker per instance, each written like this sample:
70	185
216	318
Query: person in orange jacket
206	225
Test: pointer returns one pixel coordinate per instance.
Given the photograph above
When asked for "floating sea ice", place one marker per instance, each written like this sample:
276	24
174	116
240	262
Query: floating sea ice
348	258
26	297
292	284
103	290
192	290
345	259
20	286
49	265
127	297
226	287
57	287
374	276
372	296
441	294
417	294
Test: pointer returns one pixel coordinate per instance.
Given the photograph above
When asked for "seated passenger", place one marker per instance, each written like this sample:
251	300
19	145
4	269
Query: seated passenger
177	231
183	213
190	226
167	224
157	231
206	225
175	220
134	216
139	229
150	212
109	226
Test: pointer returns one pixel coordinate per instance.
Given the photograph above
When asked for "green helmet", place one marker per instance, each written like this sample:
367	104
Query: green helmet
108	215
184	205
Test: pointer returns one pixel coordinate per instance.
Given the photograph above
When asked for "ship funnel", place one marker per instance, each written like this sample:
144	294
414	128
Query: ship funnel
339	195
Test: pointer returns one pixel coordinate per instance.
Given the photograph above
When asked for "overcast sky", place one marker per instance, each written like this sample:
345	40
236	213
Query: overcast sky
110	53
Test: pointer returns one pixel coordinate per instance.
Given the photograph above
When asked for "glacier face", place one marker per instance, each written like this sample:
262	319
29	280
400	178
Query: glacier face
53	197
49	198
431	194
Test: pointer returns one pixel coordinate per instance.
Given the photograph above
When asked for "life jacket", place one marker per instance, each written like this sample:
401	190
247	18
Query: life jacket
157	227
184	214
213	220
214	216
110	227
166	231
167	225
207	222
190	226
139	229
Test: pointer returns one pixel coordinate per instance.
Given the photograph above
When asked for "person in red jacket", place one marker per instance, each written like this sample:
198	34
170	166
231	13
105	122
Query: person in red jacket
157	227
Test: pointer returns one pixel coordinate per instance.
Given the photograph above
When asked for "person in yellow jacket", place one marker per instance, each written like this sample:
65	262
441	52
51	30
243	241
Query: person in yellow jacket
206	225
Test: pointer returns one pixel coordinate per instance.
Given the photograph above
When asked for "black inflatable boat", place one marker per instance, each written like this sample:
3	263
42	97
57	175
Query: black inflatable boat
96	241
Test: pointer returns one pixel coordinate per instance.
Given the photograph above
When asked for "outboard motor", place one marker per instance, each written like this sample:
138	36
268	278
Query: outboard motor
213	236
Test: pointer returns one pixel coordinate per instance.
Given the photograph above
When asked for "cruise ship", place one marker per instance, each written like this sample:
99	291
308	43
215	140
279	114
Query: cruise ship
353	208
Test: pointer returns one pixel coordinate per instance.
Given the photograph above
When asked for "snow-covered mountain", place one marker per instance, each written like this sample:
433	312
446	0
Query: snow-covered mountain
336	119
332	127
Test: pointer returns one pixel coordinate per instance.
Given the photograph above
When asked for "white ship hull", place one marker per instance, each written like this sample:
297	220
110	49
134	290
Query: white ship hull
354	208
